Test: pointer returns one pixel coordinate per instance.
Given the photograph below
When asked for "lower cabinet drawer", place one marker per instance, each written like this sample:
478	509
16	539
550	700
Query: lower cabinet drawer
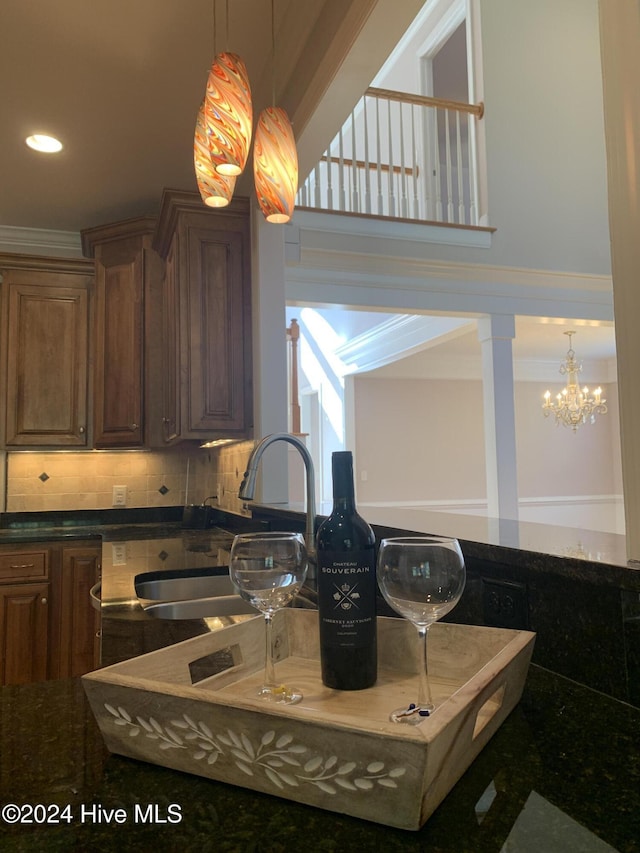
24	565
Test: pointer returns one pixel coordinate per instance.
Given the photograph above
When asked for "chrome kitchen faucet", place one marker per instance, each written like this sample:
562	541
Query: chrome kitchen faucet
248	485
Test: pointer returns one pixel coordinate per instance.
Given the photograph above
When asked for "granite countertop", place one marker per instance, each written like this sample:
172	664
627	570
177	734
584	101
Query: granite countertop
562	773
108	525
590	555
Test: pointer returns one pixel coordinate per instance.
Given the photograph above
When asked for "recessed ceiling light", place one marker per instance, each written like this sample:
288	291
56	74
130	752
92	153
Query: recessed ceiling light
42	142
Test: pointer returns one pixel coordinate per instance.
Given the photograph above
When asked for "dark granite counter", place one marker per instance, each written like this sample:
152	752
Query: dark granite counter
561	774
573	588
108	525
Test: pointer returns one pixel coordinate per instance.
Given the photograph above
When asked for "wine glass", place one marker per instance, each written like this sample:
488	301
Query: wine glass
268	570
422	578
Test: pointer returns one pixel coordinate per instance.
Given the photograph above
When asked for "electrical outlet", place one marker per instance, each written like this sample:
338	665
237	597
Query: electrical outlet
505	604
119	496
118	554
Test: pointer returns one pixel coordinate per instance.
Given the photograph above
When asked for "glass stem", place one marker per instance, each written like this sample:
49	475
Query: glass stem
269	671
424	689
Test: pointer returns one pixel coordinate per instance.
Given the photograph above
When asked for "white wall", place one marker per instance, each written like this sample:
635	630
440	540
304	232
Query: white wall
544	129
545	133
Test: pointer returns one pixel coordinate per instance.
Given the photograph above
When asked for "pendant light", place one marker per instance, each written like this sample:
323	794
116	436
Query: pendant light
215	189
275	159
229	111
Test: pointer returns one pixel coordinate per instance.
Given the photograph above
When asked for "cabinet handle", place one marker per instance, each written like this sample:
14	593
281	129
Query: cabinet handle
23	566
43	601
134	426
81	430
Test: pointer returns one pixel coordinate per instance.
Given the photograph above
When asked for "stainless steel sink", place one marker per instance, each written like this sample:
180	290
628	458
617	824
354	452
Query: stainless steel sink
190	594
200	608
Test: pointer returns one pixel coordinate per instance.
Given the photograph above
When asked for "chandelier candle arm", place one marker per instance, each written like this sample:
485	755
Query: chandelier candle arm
574	406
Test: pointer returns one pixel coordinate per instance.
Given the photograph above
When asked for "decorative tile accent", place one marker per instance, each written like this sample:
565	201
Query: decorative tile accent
44	477
163	490
163	555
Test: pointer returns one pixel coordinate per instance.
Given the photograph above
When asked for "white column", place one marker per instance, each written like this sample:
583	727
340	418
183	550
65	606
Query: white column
496	333
269	353
620	51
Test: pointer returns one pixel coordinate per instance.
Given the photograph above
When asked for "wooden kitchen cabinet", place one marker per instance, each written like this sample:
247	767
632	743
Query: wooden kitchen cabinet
125	265
206	318
23	632
48	626
44	376
24	614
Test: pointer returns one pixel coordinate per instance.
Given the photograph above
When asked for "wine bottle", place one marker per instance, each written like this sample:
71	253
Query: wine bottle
346	588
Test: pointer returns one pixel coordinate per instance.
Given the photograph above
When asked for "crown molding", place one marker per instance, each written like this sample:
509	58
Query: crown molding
40	241
397	338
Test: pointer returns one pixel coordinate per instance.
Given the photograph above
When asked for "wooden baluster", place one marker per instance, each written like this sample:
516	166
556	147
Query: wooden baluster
329	179
392	201
473	184
447	143
414	160
341	169
355	198
461	205
367	175
379	158
403	174
437	170
317	201
293	336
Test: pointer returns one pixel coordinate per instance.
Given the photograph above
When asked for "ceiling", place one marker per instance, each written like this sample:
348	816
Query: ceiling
120	83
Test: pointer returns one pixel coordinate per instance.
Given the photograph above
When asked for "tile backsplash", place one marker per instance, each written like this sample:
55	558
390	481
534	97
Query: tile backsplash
41	482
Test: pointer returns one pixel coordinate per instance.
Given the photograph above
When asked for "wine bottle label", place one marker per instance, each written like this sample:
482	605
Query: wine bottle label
347	598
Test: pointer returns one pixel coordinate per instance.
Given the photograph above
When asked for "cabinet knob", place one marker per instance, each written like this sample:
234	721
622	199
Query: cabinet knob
134	426
43	601
81	430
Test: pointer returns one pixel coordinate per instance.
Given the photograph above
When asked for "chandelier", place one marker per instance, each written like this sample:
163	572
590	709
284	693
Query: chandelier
574	405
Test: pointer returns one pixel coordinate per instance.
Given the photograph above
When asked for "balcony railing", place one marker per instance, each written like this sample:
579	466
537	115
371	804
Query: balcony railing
402	156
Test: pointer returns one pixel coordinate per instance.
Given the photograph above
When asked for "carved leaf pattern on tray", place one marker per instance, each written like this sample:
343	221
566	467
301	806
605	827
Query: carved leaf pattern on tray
276	757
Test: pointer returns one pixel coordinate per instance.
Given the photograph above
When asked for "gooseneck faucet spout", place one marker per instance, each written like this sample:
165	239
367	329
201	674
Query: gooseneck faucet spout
248	485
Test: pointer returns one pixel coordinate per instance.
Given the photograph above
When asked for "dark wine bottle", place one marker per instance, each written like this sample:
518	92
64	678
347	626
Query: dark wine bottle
346	588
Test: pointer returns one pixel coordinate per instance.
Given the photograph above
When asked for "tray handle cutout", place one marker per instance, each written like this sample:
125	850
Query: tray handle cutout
488	710
213	664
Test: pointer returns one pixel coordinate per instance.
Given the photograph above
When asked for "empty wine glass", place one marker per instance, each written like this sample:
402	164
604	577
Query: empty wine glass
422	578
268	570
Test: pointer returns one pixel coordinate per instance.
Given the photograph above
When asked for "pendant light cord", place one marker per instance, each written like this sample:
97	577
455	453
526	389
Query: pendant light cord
227	33
214	28
273	54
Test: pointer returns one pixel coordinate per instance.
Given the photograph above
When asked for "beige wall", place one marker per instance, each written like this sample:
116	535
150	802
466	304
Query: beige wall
556	461
419	440
422	440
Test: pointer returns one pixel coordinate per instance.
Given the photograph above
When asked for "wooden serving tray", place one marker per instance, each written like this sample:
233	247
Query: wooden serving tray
336	749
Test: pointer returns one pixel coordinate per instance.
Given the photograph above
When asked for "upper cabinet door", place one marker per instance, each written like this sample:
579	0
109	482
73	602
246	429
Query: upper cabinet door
119	372
216	333
46	314
208	280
